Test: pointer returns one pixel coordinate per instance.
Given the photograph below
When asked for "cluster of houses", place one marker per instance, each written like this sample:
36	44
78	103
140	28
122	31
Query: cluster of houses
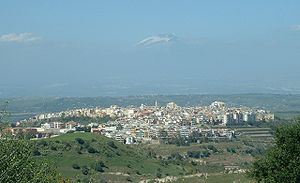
151	123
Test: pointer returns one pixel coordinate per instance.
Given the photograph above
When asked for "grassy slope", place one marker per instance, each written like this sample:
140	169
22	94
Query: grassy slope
124	159
134	162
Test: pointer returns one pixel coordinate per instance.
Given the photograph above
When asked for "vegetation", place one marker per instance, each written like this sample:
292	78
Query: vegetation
282	162
18	165
86	157
4	116
81	156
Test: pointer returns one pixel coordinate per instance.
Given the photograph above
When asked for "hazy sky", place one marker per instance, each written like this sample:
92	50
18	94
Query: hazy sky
128	47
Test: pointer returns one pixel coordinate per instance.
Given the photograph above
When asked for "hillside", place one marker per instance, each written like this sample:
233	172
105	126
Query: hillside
88	156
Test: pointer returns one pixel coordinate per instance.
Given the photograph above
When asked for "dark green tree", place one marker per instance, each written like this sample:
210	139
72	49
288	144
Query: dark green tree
17	165
282	162
4	117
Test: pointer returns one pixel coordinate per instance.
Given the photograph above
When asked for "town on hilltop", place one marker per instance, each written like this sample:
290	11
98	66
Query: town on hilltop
151	124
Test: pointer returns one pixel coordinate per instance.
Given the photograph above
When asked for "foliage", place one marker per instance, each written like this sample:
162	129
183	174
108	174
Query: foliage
4	117
231	150
99	166
212	148
18	165
76	166
112	144
85	170
198	154
92	150
80	140
282	162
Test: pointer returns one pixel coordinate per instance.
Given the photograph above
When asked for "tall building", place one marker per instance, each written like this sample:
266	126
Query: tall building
228	118
249	117
238	117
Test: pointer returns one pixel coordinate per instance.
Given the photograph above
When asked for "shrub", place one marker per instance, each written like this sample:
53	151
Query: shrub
158	175
112	144
80	140
212	148
43	143
53	148
98	166
75	166
92	150
36	152
231	150
129	179
85	170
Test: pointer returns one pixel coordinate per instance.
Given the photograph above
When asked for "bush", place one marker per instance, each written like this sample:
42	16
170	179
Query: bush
231	150
212	148
85	170
76	167
80	140
99	169
36	152
43	143
158	175
112	144
53	148
198	154
99	166
92	150
129	179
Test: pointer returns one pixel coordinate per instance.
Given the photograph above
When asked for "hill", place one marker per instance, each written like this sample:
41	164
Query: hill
85	156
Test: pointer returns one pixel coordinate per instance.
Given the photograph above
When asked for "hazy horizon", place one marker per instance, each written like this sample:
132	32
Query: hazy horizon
113	48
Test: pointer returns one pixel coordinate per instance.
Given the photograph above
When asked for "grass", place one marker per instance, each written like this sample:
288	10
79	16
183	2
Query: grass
136	163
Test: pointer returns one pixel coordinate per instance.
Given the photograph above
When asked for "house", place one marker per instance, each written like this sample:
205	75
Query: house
71	125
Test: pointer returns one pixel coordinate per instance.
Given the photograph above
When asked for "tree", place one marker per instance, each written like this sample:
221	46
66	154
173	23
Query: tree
76	166
112	144
92	150
18	165
80	140
99	166
85	170
282	162
4	117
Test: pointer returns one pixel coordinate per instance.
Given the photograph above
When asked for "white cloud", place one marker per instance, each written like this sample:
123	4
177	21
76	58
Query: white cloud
163	38
20	38
296	27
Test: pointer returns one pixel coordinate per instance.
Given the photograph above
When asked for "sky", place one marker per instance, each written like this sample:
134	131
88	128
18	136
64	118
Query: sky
131	47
